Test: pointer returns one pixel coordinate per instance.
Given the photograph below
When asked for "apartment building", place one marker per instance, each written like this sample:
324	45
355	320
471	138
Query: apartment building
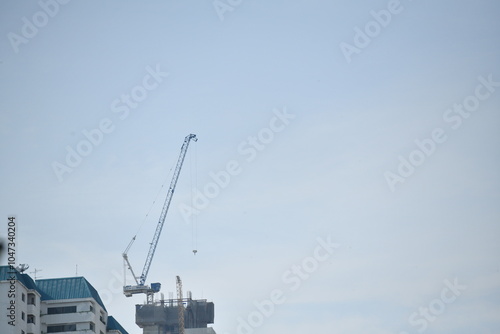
60	305
20	302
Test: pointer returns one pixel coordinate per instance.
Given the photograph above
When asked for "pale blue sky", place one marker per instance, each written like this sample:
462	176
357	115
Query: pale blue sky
322	175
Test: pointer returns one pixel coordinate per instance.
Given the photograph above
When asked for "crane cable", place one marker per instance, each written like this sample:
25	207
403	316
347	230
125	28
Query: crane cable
193	220
125	253
169	176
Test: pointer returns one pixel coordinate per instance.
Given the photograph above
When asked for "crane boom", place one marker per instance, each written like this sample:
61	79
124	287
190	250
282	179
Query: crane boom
155	287
166	205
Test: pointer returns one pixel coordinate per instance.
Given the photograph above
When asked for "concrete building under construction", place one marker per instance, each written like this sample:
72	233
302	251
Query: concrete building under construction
163	317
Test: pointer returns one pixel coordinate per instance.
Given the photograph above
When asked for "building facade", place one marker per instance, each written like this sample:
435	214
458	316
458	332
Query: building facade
60	305
20	303
162	317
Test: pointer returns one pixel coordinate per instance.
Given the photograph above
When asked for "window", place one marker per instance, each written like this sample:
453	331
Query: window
61	310
22	315
92	327
31	299
102	318
61	328
31	319
23	297
91	308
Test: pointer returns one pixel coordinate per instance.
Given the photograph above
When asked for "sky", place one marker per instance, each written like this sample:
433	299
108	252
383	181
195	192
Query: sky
345	179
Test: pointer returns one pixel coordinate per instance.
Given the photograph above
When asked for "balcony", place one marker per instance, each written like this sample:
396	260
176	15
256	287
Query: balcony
32	309
85	316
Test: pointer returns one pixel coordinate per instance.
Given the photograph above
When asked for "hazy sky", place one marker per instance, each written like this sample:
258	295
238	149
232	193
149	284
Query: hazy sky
346	174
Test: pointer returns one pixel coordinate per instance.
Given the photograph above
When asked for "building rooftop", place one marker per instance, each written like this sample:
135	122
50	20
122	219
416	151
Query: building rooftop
114	325
6	273
67	288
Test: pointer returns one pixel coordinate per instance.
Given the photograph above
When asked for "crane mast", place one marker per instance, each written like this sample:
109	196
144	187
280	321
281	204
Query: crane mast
180	305
129	290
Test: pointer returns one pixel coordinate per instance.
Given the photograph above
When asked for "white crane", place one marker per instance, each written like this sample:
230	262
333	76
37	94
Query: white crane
141	287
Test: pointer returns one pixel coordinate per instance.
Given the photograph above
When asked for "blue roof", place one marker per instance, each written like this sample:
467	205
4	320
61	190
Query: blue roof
6	273
55	288
115	325
67	288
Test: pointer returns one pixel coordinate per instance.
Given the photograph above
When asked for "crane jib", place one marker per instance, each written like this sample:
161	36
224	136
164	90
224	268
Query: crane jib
163	215
141	288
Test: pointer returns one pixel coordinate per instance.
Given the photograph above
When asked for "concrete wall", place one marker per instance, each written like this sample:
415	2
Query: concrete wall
82	318
208	330
23	309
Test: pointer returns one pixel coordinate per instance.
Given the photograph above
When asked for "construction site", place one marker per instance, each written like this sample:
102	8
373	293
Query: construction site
53	305
175	315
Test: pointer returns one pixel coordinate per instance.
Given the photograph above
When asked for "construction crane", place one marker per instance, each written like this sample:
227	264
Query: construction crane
180	305
141	287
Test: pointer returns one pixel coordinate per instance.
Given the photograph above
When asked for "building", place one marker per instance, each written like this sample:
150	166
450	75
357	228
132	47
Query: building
162	317
20	303
71	304
59	305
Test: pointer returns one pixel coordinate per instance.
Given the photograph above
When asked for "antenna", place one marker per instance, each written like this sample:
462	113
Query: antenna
35	272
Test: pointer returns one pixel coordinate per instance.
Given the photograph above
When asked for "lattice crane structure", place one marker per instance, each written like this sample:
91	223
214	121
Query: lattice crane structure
140	286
